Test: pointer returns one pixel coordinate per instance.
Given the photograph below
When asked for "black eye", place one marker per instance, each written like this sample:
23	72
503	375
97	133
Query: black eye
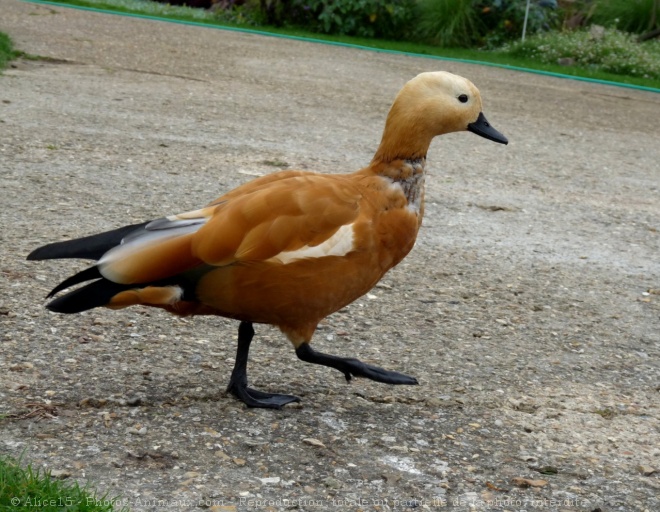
463	98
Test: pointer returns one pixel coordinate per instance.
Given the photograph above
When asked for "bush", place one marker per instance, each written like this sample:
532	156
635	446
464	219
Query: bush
450	22
628	15
610	50
388	19
362	18
504	19
6	50
487	23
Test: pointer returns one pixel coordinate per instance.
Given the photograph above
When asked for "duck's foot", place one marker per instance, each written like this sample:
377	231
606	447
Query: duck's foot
255	398
352	367
238	381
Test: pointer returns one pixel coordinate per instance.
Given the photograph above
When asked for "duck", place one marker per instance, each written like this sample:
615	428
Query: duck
287	249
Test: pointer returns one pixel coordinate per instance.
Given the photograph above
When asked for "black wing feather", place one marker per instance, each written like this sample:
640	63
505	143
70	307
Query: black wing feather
89	247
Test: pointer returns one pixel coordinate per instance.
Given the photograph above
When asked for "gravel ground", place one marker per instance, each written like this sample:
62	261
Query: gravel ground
529	309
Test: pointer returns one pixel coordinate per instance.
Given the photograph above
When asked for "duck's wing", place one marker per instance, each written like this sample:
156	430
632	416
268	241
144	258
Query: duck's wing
296	217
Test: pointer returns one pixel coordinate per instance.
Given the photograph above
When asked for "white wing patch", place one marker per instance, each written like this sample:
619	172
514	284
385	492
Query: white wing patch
339	244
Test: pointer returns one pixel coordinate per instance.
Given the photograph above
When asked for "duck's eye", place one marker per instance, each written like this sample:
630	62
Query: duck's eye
463	98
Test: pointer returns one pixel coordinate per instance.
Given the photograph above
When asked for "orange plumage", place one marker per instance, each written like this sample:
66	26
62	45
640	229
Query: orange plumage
286	249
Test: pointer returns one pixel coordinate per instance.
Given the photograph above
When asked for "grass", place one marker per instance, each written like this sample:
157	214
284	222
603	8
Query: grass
23	488
500	58
7	52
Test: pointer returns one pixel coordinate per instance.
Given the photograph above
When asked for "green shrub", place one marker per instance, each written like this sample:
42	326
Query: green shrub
489	23
612	51
504	19
6	50
386	19
450	23
627	15
363	18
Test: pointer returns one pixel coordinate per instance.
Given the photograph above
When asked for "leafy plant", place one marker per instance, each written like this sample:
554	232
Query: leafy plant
635	16
6	50
388	19
504	19
451	23
488	23
610	51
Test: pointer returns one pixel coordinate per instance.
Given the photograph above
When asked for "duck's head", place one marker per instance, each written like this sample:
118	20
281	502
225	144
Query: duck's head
432	104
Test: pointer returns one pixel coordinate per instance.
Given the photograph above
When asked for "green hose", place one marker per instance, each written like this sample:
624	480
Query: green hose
349	45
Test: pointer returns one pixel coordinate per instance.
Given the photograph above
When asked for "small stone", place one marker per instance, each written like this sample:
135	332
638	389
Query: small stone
332	483
526	482
646	470
272	480
60	474
239	462
137	431
191	474
222	455
313	442
92	402
134	401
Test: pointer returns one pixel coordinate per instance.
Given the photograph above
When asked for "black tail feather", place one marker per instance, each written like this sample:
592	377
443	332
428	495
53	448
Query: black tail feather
89	247
90	296
86	275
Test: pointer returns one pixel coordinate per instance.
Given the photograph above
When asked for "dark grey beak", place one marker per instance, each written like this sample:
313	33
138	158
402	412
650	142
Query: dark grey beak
483	128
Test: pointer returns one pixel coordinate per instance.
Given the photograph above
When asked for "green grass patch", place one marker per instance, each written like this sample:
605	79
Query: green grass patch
7	52
237	20
23	488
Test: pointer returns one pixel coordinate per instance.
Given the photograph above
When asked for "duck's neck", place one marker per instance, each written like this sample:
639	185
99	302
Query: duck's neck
401	155
408	174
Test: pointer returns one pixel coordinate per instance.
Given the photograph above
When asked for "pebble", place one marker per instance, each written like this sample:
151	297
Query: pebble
60	474
134	401
137	431
332	483
646	470
313	442
526	482
272	480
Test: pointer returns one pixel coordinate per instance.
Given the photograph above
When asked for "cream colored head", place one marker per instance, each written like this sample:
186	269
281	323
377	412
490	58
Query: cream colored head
432	104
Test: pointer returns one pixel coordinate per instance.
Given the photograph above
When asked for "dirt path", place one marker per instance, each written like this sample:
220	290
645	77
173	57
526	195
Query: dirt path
524	310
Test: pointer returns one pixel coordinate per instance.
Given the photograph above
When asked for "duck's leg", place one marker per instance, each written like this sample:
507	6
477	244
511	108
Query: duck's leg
351	367
238	381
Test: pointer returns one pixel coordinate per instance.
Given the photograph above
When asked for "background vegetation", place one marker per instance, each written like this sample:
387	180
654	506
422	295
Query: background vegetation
613	40
6	50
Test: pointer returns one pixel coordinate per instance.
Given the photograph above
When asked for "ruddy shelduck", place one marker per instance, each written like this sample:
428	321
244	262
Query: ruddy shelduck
287	249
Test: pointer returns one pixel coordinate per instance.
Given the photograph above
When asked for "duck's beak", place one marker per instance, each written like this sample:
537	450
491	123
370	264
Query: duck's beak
483	128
